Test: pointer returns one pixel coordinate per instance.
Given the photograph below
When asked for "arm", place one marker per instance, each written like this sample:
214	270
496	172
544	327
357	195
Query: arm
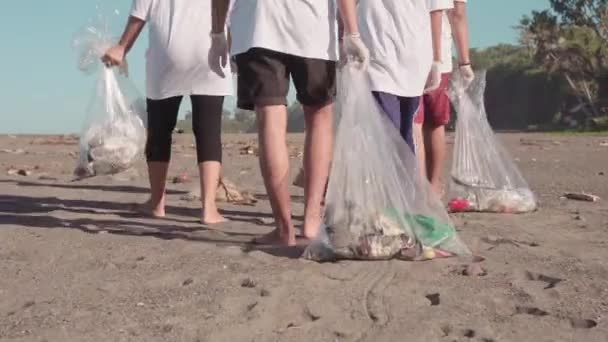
458	22
219	11
115	56
130	34
348	17
436	27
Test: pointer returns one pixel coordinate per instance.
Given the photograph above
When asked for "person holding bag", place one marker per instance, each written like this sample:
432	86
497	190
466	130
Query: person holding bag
178	65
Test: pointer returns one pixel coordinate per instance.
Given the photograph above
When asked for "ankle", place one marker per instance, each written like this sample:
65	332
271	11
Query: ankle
209	206
157	202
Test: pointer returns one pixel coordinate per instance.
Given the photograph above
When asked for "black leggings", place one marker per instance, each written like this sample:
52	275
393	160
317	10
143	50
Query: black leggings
206	125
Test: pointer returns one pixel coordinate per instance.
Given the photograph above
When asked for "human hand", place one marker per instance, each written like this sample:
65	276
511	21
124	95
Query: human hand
434	80
353	50
218	53
114	56
467	75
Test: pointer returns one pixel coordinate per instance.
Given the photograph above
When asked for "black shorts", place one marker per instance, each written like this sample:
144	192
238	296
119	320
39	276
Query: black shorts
263	79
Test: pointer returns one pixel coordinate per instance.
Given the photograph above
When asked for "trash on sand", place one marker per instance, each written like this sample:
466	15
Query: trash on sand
226	192
19	172
249	150
180	179
264	221
581	196
229	192
17	151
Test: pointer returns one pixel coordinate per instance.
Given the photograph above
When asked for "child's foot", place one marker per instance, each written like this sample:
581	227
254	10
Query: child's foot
310	229
150	210
211	217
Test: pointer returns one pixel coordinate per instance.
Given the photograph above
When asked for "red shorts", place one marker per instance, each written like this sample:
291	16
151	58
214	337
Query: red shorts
434	108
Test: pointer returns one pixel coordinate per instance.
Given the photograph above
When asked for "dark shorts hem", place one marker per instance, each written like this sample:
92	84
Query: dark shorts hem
261	101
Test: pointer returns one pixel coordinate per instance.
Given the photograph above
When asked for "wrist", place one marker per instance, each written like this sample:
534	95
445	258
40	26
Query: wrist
217	31
464	64
216	35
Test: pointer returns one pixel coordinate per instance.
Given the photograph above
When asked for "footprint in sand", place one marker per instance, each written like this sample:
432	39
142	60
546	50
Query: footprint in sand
550	281
530	310
576	323
579	323
434	298
469	333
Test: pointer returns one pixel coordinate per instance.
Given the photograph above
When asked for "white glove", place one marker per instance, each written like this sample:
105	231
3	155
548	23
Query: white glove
466	75
355	51
218	53
434	80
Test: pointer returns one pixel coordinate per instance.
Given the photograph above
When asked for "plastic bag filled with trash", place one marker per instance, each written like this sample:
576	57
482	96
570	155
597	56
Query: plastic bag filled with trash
484	177
377	204
113	135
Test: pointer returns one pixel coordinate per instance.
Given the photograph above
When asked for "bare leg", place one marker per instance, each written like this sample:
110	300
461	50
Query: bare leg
436	136
209	172
420	149
274	163
157	173
317	158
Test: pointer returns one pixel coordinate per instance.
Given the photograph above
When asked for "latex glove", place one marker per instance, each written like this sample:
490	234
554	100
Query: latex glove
466	75
434	80
354	51
115	56
218	53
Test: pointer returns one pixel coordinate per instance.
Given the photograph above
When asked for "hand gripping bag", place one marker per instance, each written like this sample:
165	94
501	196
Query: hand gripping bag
377	204
484	177
113	135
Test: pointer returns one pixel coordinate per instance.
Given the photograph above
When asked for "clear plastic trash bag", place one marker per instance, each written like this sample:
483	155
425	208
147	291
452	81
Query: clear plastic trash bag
113	135
484	177
377	204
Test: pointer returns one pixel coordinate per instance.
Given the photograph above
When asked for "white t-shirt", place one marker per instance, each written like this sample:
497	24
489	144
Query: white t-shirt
398	35
446	43
305	28
177	59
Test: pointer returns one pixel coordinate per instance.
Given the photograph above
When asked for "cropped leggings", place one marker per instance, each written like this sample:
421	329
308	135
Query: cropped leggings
206	125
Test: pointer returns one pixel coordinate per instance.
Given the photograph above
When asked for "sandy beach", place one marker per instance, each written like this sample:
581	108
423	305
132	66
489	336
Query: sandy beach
77	265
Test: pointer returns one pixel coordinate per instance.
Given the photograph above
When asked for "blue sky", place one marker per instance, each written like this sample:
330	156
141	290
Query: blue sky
43	91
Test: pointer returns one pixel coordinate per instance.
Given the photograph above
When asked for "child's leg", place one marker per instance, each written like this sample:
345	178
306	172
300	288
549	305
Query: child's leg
438	108
207	128
162	117
419	139
408	106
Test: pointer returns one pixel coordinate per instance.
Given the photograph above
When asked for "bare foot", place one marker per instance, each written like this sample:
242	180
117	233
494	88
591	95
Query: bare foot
310	229
148	209
211	217
275	238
